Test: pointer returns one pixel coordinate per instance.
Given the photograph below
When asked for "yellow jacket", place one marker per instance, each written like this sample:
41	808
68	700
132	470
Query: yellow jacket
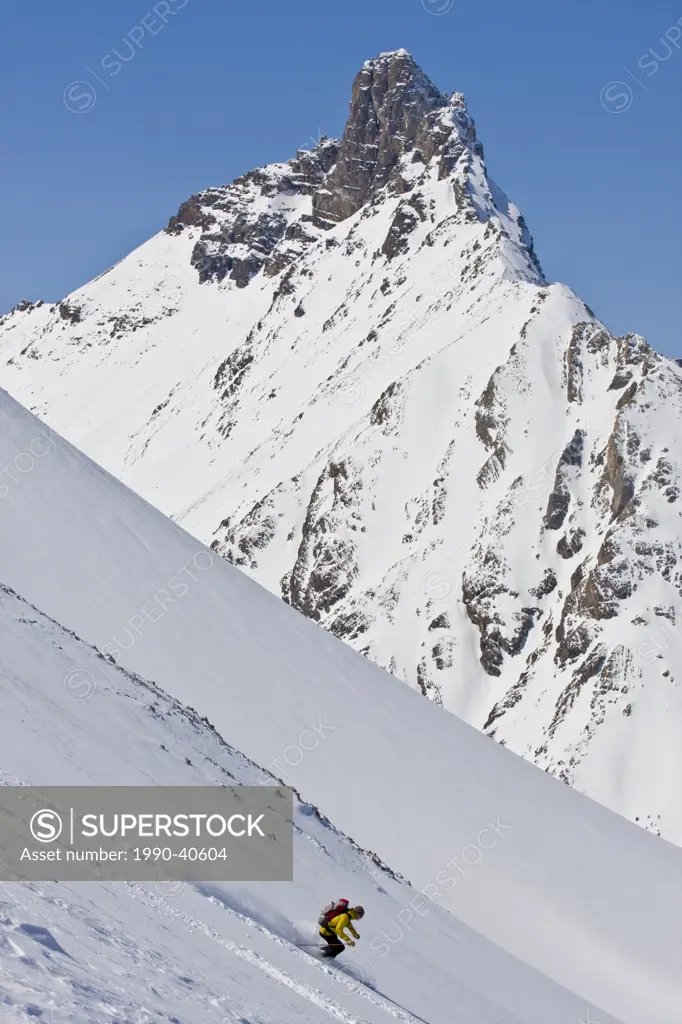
338	926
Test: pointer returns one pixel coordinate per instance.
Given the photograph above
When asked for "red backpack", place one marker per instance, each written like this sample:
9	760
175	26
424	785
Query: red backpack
331	911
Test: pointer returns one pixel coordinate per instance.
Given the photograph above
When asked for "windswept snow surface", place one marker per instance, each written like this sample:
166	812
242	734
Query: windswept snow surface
572	890
198	954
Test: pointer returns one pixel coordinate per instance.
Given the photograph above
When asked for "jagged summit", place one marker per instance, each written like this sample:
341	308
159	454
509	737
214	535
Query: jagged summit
402	65
390	103
402	132
386	56
24	306
399	70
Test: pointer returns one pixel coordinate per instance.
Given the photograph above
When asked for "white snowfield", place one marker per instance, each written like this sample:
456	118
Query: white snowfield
551	907
399	426
197	954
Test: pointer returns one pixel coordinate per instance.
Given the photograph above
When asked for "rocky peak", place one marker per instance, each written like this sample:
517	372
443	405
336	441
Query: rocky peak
391	97
398	119
239	234
24	306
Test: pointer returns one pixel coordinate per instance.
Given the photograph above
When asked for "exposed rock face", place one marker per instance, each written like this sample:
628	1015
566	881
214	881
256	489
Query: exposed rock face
237	237
559	499
25	306
391	98
348	374
326	566
70	312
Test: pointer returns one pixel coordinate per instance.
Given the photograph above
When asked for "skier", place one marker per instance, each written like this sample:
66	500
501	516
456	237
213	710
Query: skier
336	919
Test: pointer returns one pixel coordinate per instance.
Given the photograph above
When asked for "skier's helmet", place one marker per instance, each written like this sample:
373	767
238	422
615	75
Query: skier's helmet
359	911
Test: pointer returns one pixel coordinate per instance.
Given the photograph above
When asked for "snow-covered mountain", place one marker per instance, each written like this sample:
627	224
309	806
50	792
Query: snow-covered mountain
539	903
347	374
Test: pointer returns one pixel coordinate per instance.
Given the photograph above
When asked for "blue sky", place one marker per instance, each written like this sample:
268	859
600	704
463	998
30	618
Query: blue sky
577	105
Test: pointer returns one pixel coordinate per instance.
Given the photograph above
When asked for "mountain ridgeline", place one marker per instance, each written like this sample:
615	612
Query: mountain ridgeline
348	374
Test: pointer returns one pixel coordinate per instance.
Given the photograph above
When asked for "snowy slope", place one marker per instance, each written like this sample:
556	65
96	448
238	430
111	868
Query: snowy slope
143	953
348	375
571	890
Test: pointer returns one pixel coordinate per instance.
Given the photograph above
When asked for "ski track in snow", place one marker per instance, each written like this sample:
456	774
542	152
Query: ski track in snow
318	998
11	927
100	1000
354	984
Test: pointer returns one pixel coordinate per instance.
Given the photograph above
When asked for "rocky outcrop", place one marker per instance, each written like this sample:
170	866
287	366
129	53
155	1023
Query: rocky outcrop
571	543
559	499
71	312
491	424
326	566
587	340
399	124
236	237
387	410
390	100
